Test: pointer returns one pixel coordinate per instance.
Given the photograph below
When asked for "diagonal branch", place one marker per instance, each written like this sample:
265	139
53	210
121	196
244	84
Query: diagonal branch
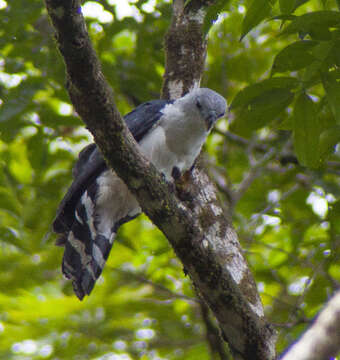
197	229
322	340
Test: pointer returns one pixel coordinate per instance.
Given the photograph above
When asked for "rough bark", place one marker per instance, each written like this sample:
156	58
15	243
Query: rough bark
322	340
185	49
197	229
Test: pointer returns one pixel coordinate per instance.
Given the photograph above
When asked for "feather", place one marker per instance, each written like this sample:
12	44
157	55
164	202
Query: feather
85	232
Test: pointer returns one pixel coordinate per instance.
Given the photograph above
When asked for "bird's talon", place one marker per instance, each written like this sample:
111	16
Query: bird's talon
176	173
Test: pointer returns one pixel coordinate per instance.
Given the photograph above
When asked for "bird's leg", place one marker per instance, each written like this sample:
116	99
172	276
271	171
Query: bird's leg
182	182
176	173
171	184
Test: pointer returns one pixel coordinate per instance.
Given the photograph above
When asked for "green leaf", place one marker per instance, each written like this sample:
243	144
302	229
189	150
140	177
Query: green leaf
334	216
321	52
332	88
258	10
287	6
19	98
248	94
212	14
294	57
324	2
37	152
298	3
334	213
336	52
284	17
261	110
306	131
328	139
19	164
10	236
317	24
9	201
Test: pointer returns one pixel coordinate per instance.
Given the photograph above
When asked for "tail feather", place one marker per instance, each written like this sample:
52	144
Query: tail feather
83	268
86	251
89	237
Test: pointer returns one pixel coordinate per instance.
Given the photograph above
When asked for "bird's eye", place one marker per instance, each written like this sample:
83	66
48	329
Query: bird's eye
198	104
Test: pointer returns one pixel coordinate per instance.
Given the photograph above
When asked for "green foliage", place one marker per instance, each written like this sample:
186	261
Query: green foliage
314	61
328	140
306	131
212	14
282	81
294	57
257	11
287	6
332	87
258	104
316	24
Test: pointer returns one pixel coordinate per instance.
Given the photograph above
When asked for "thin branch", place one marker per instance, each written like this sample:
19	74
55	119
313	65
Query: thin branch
159	287
284	158
290	325
252	175
216	344
335	164
239	140
272	205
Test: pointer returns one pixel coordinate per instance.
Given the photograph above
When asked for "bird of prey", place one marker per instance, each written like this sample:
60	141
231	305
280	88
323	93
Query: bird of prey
170	134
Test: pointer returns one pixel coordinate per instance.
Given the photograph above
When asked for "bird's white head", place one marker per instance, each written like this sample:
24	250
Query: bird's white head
207	103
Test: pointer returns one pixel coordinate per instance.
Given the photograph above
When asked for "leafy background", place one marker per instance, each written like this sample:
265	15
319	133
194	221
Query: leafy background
274	160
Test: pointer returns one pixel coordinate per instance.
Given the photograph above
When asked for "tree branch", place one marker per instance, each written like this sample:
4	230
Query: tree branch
217	346
322	340
198	231
129	275
185	49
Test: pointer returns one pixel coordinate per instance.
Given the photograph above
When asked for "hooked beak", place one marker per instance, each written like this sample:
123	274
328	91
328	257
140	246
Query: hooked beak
210	120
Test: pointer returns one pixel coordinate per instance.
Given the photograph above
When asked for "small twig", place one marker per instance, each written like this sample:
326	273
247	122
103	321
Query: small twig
300	299
252	175
216	344
335	164
290	325
271	206
282	302
239	140
157	286
175	344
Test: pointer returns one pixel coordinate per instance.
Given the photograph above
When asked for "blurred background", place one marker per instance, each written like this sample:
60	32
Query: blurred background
143	306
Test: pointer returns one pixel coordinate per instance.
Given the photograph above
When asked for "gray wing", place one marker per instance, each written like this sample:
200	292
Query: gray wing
91	163
89	166
144	117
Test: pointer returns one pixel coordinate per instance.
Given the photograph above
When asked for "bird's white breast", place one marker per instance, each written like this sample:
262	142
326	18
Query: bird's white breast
154	147
175	141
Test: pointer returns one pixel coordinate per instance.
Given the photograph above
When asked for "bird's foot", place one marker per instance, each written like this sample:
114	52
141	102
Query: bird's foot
183	187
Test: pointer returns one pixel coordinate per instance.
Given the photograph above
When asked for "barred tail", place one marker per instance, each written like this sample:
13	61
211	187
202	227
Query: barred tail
85	268
86	250
88	244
